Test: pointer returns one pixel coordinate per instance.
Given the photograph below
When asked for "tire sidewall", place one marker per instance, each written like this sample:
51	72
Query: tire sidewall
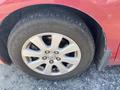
22	32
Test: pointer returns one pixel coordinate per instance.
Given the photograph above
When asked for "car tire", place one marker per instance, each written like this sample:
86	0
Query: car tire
69	25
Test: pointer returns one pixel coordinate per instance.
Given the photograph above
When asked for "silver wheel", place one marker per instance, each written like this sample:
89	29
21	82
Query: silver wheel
51	54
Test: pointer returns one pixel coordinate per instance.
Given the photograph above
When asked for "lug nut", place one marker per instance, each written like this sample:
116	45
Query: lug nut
47	52
58	58
56	52
51	61
44	58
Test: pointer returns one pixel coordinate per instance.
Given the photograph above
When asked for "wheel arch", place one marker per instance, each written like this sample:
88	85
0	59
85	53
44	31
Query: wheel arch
95	29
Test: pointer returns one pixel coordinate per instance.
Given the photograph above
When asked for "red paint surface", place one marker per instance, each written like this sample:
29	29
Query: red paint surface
118	55
2	1
105	12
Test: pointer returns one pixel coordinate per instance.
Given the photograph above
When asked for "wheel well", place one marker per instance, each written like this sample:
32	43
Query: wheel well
95	29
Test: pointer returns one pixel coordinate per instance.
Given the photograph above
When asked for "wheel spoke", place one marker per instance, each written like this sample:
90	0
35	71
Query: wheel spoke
35	64
70	60
31	53
47	58
56	39
61	67
48	68
38	42
70	48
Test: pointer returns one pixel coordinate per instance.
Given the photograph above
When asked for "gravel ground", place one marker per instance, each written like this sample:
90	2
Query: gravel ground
12	78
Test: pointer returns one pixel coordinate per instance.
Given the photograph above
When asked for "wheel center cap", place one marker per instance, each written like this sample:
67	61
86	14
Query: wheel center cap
51	57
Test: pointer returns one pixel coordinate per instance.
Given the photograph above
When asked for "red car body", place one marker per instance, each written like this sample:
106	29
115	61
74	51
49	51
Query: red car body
104	12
